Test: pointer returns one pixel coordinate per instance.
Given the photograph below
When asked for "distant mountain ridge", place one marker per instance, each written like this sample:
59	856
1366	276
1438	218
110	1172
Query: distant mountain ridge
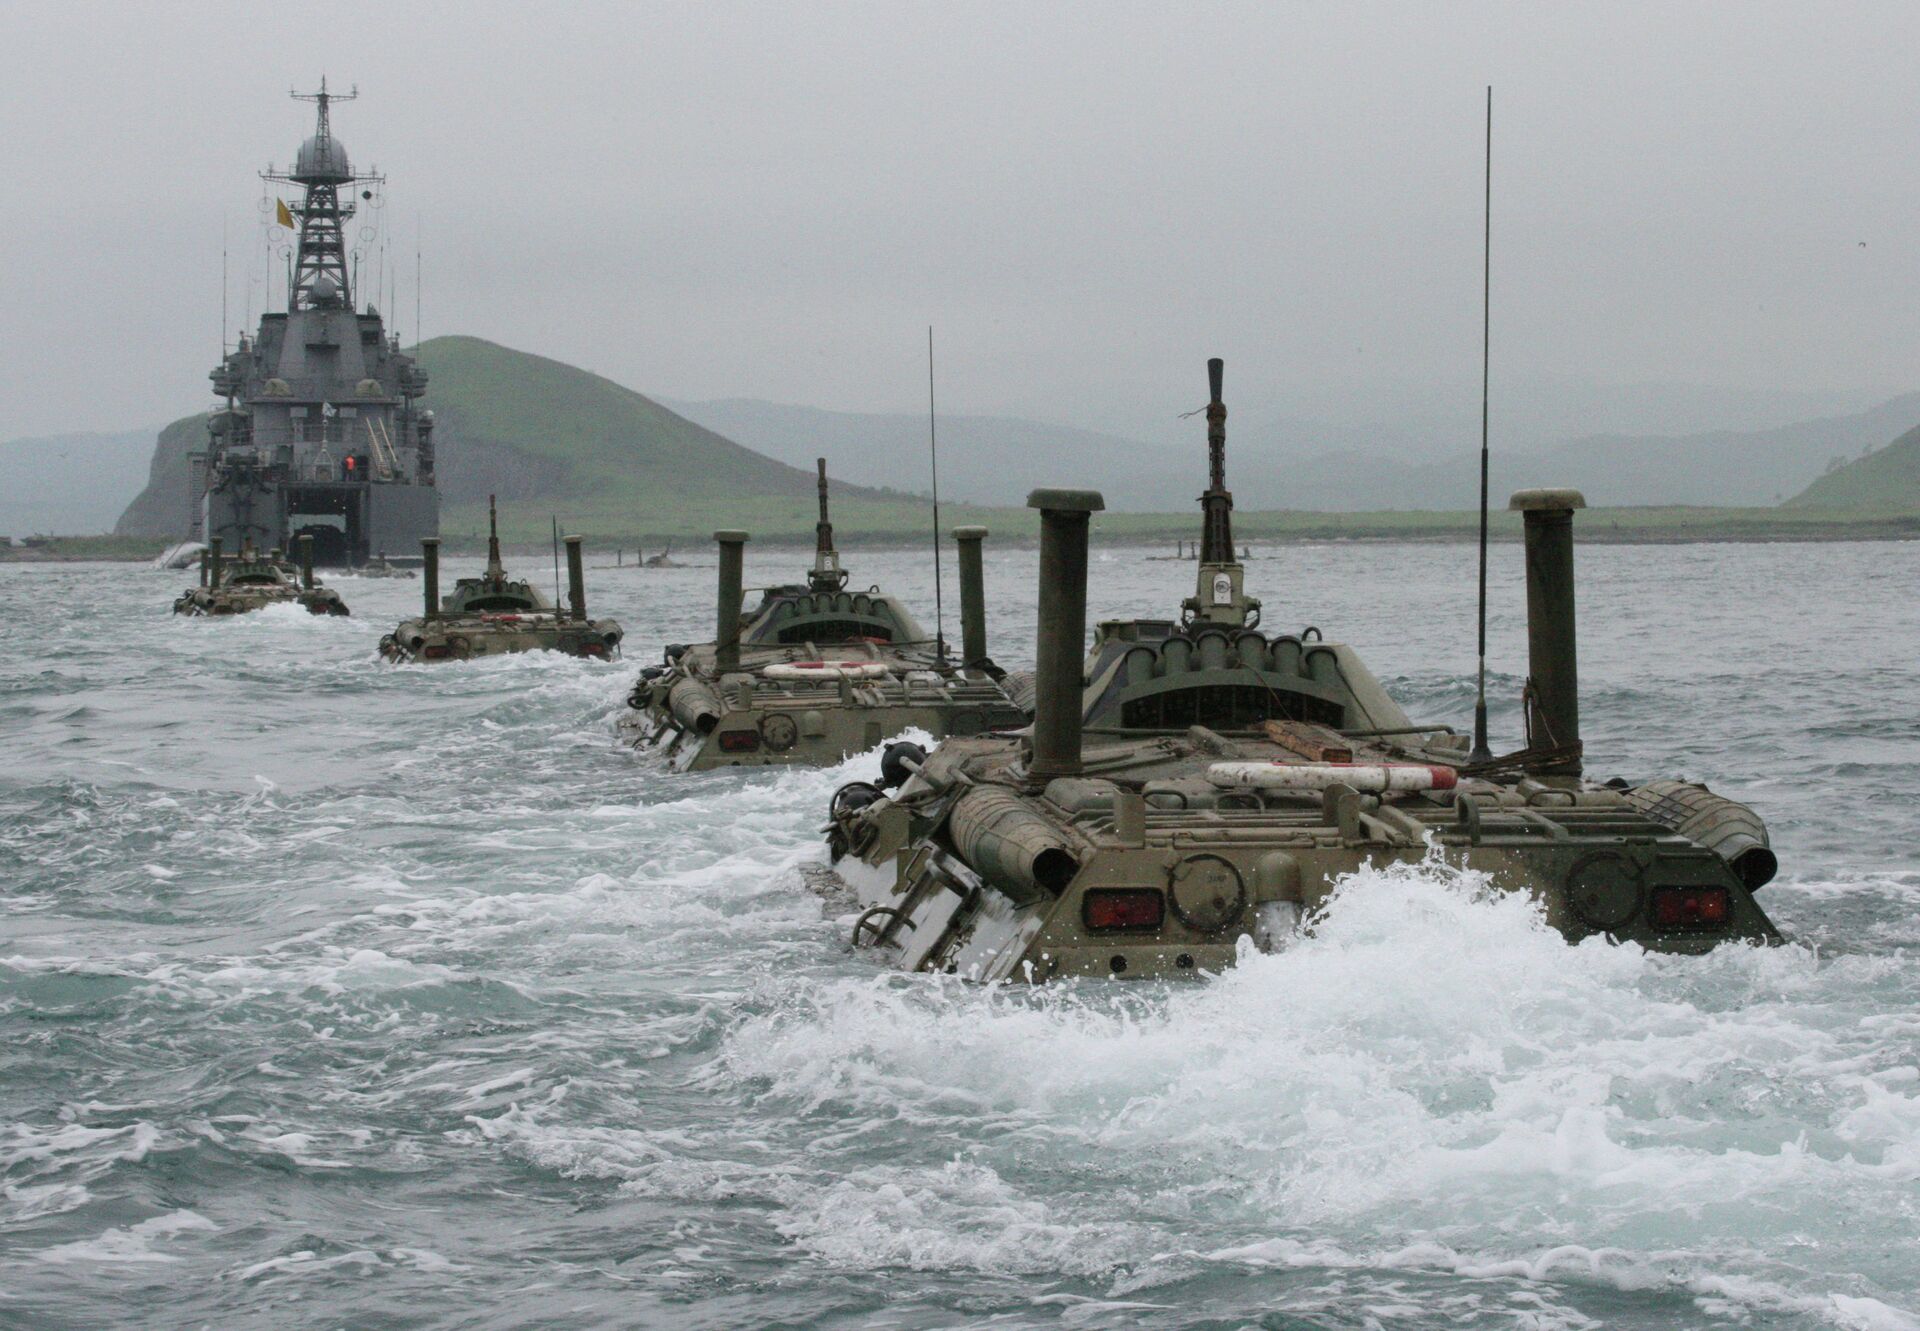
536	431
1886	480
551	438
1289	464
69	484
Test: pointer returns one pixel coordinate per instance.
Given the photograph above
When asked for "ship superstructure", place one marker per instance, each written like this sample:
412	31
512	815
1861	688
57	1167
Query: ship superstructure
321	432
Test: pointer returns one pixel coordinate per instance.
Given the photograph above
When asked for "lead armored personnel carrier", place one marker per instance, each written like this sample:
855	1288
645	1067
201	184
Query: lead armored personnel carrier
816	672
320	429
252	582
1196	782
493	614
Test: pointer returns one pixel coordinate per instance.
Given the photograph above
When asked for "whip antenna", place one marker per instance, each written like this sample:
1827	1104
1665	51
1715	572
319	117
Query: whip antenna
1481	753
933	454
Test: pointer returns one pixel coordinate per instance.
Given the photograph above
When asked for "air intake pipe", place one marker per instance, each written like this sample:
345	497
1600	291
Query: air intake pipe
1553	675
306	563
1061	647
973	598
213	563
726	632
430	573
576	581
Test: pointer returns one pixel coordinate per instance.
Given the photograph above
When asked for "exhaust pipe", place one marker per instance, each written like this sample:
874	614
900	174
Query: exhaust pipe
213	569
694	705
973	598
1062	643
1010	846
306	563
726	636
430	573
576	581
1553	676
1726	827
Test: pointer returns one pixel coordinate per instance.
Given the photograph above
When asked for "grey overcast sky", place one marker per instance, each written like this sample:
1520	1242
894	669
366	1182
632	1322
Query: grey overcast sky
775	200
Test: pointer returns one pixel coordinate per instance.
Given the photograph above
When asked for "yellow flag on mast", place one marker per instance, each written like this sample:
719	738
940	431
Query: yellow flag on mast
283	215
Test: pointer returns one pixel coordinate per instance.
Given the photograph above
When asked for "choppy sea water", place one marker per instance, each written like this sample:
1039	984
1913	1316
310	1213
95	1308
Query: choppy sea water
340	995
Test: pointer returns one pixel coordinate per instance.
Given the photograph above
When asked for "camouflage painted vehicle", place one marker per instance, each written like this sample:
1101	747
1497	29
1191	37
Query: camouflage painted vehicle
252	581
816	672
492	615
1196	784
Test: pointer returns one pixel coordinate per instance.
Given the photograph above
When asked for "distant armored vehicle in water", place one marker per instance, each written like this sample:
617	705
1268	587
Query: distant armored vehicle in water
381	567
252	582
1196	782
816	672
493	614
320	432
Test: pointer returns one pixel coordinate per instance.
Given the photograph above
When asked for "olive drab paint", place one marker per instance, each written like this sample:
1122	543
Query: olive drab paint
1195	786
494	615
818	670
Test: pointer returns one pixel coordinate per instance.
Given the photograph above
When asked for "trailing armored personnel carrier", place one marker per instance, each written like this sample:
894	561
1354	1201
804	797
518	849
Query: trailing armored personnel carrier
493	614
1197	782
381	567
816	672
252	582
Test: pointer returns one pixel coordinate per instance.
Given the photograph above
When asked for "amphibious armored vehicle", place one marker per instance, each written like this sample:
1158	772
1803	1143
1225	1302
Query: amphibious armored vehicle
494	614
382	567
816	672
1197	782
253	581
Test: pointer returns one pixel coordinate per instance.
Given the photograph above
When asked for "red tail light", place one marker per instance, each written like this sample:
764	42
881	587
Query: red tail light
739	741
1691	907
1116	908
435	653
594	649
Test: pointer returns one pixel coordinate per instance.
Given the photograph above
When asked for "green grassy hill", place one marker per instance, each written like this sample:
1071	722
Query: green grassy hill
1884	481
549	438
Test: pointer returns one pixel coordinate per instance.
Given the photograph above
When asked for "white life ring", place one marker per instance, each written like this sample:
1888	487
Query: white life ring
821	670
1370	778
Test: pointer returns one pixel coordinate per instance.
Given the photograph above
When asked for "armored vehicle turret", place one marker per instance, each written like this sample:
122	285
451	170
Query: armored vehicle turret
816	672
1195	783
493	614
235	587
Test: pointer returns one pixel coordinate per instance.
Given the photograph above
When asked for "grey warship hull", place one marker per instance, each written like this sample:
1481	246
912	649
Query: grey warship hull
320	433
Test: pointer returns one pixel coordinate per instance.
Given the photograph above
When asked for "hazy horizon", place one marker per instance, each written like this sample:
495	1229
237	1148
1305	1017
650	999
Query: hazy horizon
749	201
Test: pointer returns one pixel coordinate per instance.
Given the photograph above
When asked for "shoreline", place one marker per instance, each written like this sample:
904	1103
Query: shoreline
1598	527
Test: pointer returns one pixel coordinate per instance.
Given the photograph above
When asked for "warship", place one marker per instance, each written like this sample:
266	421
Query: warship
1194	786
816	672
492	615
320	431
253	582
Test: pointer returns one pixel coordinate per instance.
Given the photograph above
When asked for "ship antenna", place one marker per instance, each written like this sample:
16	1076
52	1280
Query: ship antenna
556	558
933	455
1481	753
223	286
